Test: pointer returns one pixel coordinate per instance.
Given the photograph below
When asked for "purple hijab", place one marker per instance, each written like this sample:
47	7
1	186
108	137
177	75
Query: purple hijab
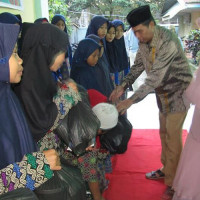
15	137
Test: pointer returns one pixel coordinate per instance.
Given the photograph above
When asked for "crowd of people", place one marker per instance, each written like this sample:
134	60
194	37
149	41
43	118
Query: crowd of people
63	114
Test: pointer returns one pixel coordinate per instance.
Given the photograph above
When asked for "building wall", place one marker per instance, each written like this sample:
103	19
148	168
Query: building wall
33	9
184	27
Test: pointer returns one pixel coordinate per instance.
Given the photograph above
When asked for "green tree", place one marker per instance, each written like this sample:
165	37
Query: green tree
113	7
59	7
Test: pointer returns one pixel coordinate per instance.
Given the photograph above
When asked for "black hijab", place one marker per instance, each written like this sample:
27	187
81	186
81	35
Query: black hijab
81	71
119	46
102	72
41	44
111	53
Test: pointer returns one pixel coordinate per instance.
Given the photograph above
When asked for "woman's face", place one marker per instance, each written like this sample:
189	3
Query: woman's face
93	58
110	34
119	32
58	62
61	25
15	67
102	31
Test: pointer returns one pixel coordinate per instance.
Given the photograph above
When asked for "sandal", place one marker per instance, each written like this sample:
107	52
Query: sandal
158	174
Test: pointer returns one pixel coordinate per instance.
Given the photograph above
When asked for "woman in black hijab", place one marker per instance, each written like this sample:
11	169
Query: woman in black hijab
37	88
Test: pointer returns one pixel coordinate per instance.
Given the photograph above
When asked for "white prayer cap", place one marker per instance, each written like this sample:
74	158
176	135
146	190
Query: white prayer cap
107	115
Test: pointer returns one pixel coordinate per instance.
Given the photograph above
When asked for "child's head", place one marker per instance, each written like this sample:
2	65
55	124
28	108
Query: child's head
41	20
9	18
86	53
59	21
61	25
102	30
111	32
119	25
107	115
93	58
11	70
44	44
98	40
98	26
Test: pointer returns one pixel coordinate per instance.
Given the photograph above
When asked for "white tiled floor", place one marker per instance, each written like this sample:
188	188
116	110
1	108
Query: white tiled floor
144	115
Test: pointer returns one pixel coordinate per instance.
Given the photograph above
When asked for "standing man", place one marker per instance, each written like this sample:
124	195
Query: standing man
160	54
131	43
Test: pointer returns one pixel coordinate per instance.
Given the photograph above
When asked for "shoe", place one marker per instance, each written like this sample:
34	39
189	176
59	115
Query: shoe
154	175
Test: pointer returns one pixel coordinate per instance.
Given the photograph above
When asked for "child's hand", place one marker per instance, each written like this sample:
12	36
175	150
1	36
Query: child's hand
73	85
53	159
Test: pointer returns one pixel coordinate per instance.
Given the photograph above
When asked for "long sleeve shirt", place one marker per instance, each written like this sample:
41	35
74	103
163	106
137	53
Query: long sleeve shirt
168	72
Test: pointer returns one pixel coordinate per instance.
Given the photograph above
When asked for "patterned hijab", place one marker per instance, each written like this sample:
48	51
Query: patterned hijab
15	137
37	88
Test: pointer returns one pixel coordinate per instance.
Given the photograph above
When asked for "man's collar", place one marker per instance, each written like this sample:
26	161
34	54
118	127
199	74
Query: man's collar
154	41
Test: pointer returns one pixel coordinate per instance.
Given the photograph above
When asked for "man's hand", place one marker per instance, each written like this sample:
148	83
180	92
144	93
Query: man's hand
116	93
53	159
124	105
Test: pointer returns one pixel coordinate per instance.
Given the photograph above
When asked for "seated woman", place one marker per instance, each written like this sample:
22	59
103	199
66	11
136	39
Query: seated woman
21	165
46	102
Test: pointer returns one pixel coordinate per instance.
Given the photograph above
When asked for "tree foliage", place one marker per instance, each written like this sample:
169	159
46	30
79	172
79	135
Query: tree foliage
193	45
59	7
113	7
109	8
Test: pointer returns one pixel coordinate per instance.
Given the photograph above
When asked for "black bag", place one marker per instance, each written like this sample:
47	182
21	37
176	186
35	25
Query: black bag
78	127
116	139
66	183
19	194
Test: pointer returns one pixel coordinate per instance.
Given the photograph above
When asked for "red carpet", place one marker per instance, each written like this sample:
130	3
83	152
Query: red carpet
128	182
